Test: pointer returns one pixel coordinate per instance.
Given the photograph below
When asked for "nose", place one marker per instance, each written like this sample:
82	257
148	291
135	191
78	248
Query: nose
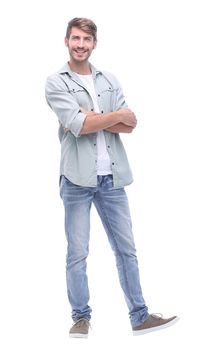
80	42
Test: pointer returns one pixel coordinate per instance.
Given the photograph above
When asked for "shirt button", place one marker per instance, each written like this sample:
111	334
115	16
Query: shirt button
112	163
94	144
99	95
102	111
91	109
108	146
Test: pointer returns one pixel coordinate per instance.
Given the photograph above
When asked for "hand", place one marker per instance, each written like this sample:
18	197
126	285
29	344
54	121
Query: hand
127	117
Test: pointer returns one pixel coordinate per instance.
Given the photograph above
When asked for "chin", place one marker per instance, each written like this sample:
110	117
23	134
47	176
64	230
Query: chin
80	59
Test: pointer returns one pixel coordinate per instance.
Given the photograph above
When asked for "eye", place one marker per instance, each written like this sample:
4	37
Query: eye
75	38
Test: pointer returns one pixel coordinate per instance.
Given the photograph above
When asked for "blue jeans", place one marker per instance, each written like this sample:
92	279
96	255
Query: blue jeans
113	209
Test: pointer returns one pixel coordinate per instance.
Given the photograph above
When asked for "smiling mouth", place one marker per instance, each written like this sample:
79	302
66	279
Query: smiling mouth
80	51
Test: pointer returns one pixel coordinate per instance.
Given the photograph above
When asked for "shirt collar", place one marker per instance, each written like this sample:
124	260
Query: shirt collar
66	69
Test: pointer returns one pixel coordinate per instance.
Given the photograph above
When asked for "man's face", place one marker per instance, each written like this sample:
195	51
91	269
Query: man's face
80	45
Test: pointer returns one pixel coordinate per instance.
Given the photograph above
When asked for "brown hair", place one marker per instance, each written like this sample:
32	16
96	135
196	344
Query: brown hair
85	24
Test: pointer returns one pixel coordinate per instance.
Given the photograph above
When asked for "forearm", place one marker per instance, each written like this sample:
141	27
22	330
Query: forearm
120	128
95	122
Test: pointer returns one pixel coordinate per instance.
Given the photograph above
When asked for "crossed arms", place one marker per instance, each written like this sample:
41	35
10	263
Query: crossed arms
123	120
81	122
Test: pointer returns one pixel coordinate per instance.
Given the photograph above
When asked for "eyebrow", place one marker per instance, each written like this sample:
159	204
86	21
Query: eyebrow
85	37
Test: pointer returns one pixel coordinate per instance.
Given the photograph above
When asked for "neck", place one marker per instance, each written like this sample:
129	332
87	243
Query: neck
80	67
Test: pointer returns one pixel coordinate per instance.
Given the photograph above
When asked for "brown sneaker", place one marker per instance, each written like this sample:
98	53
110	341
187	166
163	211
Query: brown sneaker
80	329
154	322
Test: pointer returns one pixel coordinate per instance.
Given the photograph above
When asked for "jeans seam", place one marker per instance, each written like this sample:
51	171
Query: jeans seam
112	234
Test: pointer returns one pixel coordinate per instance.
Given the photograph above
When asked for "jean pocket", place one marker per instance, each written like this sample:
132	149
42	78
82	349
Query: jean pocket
61	184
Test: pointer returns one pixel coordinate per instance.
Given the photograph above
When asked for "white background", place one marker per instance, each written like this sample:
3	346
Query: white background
158	51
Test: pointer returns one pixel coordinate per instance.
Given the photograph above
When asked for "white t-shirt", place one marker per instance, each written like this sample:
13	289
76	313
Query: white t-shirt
103	160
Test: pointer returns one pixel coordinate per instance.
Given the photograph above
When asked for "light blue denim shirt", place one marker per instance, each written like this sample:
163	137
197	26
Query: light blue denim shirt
66	94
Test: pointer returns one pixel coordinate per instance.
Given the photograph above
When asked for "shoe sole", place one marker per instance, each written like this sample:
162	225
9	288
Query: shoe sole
153	329
78	335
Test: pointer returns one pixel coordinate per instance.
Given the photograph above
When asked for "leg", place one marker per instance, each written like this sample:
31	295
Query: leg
112	206
77	202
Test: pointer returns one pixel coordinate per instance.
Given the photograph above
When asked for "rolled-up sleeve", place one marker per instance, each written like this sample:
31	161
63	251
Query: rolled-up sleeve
64	105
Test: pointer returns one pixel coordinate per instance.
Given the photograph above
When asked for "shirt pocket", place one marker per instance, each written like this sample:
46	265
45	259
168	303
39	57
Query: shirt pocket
107	99
81	96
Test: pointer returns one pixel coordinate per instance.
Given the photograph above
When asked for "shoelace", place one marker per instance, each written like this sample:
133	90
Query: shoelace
80	322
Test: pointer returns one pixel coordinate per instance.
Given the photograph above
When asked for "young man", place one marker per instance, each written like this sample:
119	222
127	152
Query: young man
92	111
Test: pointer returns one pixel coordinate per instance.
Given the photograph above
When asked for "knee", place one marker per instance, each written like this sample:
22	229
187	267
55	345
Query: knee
76	259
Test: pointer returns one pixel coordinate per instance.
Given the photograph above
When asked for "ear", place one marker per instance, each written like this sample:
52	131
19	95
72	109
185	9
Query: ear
66	42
